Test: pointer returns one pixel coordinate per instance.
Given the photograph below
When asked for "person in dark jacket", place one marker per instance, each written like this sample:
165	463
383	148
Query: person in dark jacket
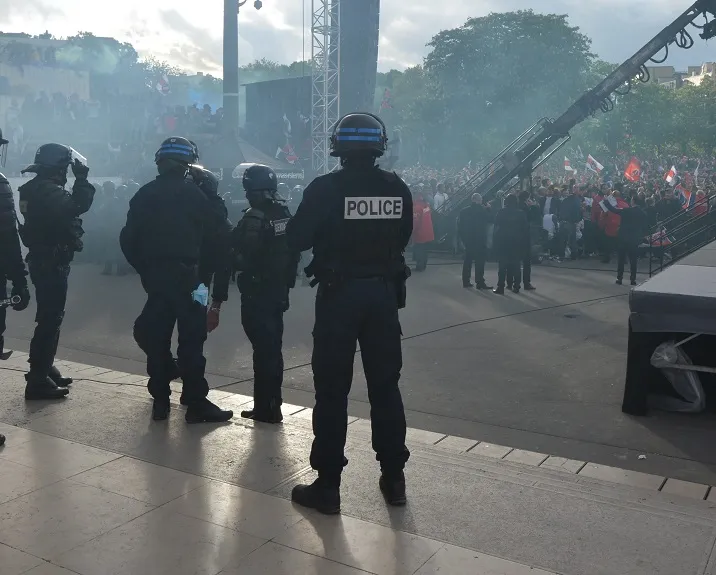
668	207
534	219
634	226
472	231
570	214
52	233
12	268
511	241
170	219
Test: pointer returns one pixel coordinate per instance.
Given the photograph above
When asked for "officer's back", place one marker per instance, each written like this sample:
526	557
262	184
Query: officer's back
167	221
361	222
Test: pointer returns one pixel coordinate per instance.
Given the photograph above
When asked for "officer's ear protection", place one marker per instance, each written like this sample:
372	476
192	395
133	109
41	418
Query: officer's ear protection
382	125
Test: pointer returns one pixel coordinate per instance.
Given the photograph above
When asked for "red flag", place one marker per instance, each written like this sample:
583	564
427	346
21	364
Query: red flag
633	170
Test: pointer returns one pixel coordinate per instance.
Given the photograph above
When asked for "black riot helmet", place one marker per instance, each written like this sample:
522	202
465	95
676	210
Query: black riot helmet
3	149
204	178
260	183
359	133
176	154
54	158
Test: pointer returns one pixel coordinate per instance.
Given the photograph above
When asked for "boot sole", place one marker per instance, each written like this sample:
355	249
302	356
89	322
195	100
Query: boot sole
192	420
41	396
324	510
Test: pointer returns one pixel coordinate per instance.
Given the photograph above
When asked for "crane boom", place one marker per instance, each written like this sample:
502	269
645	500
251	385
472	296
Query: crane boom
534	146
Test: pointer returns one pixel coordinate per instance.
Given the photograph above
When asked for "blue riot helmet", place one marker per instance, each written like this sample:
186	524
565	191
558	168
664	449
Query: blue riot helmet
260	183
175	154
359	133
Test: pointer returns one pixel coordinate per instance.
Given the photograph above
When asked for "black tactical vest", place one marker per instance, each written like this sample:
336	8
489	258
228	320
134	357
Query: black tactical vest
366	221
268	260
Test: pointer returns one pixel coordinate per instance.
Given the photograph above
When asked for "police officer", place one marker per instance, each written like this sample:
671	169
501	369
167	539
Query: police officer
358	222
168	221
52	233
12	267
266	271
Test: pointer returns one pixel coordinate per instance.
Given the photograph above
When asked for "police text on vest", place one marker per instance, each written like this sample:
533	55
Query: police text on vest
373	209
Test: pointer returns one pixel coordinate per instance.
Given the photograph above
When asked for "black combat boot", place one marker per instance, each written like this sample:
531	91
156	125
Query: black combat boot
323	495
55	375
4	355
40	386
203	411
160	409
2	440
268	414
499	290
393	487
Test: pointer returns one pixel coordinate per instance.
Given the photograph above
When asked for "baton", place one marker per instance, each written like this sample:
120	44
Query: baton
14	300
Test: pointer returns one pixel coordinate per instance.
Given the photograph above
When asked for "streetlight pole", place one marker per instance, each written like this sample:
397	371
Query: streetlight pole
231	63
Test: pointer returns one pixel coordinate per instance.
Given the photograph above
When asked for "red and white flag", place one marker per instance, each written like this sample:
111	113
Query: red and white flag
567	165
671	175
163	86
593	165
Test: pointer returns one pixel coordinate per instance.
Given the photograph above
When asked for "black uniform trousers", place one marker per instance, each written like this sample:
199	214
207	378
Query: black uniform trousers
49	276
508	270
476	256
153	331
526	270
627	250
262	320
363	311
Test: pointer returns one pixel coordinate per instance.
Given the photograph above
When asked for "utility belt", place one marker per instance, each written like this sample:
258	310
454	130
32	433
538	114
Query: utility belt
331	280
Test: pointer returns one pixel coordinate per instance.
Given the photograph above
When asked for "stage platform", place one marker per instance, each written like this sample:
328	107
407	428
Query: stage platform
676	303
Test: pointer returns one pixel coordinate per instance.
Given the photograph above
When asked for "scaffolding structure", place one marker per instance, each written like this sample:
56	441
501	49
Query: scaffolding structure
326	73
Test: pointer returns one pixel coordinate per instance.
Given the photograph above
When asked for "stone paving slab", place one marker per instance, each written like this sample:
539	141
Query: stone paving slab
491	502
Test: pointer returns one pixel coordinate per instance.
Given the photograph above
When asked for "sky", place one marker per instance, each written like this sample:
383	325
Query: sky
187	33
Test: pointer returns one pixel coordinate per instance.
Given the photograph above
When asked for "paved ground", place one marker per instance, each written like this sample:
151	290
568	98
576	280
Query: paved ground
89	485
541	371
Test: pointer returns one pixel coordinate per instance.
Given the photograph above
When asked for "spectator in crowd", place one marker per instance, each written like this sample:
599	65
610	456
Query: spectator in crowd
634	225
534	220
511	241
472	232
423	234
570	214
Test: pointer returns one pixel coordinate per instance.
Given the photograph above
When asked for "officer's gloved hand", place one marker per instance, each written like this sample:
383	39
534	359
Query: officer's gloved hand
79	170
213	316
24	294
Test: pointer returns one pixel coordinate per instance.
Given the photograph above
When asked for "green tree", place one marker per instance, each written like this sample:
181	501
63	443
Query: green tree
492	77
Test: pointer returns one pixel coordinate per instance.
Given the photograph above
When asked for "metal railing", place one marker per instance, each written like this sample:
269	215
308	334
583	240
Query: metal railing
696	230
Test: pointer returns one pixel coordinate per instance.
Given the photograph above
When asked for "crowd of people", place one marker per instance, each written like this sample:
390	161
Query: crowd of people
565	218
115	132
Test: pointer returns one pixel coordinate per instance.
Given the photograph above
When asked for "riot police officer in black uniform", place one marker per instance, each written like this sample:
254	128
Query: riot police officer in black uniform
53	234
169	220
358	222
266	271
12	267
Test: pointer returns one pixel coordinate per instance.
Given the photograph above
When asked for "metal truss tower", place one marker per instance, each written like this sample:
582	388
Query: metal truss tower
326	71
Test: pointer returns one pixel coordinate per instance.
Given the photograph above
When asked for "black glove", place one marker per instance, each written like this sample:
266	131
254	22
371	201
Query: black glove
79	170
24	293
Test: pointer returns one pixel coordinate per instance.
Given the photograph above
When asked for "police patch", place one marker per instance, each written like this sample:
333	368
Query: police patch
279	227
380	208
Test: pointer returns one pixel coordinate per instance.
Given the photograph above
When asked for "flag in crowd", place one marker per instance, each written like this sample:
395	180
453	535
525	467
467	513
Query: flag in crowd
163	85
633	170
685	197
567	165
671	176
593	165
